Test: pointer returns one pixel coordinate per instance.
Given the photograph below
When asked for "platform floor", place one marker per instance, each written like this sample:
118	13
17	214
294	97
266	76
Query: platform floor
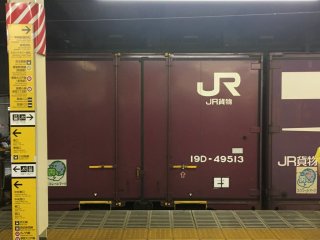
178	224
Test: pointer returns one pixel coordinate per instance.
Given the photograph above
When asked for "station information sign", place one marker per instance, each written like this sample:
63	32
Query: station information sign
23	137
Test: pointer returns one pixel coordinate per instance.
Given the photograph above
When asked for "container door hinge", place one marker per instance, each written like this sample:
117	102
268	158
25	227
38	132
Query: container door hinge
139	172
169	58
116	59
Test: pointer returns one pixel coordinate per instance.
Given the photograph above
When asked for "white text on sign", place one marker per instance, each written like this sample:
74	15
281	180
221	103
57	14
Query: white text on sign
217	159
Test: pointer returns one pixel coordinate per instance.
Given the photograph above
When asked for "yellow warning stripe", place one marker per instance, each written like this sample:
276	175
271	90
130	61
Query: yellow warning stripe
190	202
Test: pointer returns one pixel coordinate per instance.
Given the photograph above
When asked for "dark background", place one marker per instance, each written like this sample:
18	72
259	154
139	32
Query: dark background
72	27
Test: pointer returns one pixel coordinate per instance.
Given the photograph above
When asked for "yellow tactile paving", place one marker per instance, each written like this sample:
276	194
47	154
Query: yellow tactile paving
288	234
235	234
309	234
177	234
60	233
261	234
84	234
185	233
135	233
161	233
109	233
210	234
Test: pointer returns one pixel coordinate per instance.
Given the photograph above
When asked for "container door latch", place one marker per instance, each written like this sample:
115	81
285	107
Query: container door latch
184	167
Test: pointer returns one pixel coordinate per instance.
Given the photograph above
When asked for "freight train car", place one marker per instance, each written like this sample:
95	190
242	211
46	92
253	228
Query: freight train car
146	129
294	132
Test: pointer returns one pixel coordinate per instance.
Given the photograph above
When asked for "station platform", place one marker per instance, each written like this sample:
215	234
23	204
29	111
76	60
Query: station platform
177	224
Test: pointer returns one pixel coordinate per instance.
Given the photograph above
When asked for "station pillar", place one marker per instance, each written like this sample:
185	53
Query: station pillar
26	39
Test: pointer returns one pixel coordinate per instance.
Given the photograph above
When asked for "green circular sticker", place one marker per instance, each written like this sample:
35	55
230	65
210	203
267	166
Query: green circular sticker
56	170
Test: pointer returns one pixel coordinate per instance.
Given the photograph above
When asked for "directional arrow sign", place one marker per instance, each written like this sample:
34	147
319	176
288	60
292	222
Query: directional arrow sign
16	133
17	184
24	205
26	29
23	170
16	168
23	144
22	118
21	50
30	117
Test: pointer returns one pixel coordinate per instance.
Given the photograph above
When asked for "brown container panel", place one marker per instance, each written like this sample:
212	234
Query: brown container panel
128	130
217	134
289	151
155	129
292	113
294	130
81	126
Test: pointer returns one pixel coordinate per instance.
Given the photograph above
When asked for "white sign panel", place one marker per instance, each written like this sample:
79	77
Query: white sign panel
22	118
237	150
57	173
23	170
221	182
300	85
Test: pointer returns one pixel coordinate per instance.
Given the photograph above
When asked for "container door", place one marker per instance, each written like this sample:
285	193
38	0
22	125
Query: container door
81	108
214	129
295	130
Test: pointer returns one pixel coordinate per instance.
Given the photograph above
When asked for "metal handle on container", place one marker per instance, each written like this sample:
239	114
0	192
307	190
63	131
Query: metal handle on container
184	166
101	166
138	172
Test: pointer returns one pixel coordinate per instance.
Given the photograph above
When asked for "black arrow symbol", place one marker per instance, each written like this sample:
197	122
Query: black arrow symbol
16	168
15	132
26	29
30	117
17	184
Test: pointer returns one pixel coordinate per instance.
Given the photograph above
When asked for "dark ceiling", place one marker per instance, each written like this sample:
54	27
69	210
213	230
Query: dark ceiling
95	26
76	26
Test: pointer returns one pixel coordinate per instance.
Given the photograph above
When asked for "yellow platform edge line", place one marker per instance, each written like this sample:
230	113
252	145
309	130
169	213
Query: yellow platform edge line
178	233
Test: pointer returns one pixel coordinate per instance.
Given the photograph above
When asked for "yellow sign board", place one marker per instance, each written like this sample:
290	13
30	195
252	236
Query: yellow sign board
24	206
317	156
21	67
23	141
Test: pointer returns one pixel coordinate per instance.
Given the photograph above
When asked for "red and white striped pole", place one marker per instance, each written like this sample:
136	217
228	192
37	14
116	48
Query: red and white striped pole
29	13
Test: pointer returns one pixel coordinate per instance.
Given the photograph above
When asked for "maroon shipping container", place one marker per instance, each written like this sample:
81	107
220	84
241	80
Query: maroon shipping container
80	95
294	131
94	123
157	128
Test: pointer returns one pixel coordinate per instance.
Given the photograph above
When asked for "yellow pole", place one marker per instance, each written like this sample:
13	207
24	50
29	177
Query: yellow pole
27	77
317	156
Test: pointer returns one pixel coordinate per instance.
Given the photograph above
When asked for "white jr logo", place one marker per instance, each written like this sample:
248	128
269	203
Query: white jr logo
231	86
